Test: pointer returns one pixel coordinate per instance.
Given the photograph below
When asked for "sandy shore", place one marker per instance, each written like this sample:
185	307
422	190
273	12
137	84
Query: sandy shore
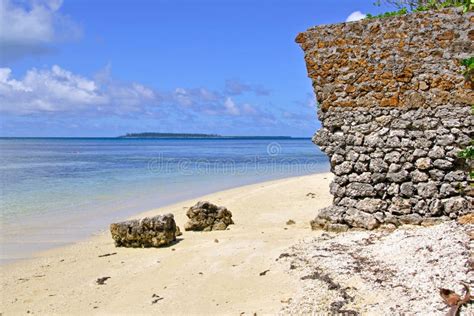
204	273
382	272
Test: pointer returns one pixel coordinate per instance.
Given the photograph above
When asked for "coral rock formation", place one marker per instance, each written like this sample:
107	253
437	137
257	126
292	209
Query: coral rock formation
205	216
147	232
395	112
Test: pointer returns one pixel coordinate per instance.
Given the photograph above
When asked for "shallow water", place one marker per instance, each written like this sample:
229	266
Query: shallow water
58	190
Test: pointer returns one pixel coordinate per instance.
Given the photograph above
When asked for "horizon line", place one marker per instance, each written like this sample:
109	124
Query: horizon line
121	137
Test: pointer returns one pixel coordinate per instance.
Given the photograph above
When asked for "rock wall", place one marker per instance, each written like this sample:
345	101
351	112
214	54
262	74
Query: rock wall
395	111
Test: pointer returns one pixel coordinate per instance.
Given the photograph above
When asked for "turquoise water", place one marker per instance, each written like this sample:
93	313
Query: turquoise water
54	191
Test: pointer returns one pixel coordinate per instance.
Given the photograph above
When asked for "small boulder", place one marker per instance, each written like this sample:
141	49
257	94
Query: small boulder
205	216
356	218
336	228
146	232
455	205
410	219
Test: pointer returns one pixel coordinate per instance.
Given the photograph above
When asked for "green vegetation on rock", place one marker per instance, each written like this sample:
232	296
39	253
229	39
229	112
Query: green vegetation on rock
438	5
406	6
468	72
468	152
402	11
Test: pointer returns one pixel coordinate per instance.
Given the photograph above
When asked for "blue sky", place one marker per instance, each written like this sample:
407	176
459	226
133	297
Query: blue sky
105	68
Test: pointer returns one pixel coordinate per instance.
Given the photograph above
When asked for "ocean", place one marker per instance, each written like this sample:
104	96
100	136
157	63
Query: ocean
55	191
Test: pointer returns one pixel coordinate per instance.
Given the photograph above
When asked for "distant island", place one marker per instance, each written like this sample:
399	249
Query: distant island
168	135
195	135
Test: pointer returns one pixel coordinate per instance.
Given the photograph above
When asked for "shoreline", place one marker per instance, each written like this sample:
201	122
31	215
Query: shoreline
85	227
214	272
259	265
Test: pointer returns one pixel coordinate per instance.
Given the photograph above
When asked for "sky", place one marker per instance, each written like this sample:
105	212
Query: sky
101	68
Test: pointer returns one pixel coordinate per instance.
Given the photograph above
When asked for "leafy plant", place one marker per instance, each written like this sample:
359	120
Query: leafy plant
468	152
388	14
406	6
468	5
468	72
438	5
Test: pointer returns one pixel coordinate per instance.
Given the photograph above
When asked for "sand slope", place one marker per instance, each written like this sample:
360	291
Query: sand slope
195	276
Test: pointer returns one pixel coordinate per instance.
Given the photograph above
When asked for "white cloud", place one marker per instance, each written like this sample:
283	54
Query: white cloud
61	92
204	101
30	27
355	16
230	107
54	95
193	97
248	109
237	87
58	90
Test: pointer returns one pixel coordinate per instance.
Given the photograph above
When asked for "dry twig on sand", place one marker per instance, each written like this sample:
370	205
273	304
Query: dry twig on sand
454	300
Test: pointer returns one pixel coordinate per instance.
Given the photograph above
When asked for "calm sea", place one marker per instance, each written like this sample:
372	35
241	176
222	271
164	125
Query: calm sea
58	190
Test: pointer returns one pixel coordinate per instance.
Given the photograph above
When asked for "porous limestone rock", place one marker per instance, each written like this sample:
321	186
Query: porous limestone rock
205	216
356	218
154	231
395	111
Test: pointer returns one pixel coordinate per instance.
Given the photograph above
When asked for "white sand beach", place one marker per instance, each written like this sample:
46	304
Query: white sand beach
261	265
215	272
